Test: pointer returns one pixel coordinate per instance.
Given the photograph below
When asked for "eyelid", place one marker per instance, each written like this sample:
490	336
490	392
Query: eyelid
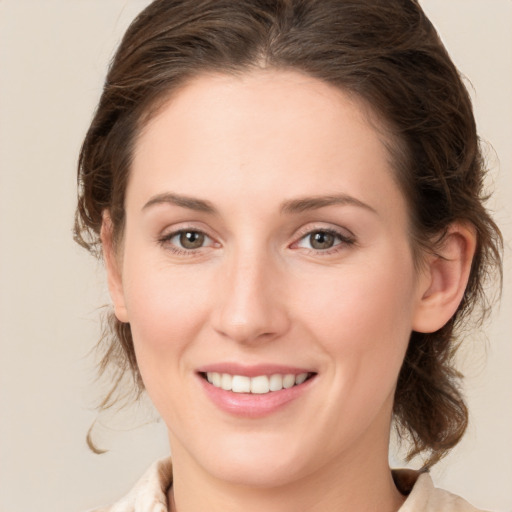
342	232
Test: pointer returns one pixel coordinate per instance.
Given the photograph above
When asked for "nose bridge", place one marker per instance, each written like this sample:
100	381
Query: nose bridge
250	305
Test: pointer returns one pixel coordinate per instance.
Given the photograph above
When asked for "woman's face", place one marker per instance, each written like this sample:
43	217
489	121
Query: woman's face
266	242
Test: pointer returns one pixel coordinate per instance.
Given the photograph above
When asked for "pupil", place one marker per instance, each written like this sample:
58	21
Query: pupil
191	239
322	240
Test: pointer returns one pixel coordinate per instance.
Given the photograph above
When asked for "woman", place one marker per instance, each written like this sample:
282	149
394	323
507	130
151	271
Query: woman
288	198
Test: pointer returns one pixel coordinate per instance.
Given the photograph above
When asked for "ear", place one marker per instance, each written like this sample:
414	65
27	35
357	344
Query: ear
113	268
444	280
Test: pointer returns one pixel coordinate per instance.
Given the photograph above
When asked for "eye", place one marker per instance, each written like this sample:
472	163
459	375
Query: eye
190	239
323	240
186	240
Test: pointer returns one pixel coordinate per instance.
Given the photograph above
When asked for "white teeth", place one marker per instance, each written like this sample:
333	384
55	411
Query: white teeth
288	381
216	379
299	379
226	381
241	384
213	378
276	382
258	385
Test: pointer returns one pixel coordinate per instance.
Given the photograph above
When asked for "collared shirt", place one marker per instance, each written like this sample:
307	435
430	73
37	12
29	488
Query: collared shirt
150	493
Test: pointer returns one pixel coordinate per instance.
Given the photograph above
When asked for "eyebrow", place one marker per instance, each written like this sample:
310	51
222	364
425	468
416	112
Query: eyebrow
316	202
190	203
299	205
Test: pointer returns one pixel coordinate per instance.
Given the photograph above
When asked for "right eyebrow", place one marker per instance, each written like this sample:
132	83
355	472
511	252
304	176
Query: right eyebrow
188	202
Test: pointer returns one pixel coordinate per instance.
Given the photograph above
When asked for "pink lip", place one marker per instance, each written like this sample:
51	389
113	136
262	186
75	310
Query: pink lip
248	405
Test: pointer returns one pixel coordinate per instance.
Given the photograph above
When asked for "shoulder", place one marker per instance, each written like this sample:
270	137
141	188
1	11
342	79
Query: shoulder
424	497
149	493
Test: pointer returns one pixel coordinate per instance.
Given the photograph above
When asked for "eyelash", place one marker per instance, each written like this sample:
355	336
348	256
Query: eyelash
342	241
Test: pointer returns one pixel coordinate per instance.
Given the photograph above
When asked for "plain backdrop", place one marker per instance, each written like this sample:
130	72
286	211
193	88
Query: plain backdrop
53	58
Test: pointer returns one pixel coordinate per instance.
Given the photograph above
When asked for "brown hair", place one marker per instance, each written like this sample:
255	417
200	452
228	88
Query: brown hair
387	53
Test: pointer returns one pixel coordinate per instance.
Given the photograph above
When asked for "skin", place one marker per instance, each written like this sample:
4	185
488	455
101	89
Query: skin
257	291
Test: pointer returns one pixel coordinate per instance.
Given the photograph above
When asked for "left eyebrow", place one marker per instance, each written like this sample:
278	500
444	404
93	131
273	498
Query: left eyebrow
315	202
191	203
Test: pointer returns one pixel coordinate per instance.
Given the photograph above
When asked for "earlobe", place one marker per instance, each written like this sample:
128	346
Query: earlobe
112	266
445	278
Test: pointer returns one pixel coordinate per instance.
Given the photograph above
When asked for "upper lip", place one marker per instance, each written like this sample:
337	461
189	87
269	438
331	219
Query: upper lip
252	370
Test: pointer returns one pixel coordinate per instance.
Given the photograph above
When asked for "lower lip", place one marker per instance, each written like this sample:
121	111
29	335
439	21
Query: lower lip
253	405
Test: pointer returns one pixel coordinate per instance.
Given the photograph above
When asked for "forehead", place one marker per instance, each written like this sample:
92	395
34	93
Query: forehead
286	95
264	132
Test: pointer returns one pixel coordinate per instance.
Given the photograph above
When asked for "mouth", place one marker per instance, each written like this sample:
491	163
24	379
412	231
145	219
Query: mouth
254	391
257	385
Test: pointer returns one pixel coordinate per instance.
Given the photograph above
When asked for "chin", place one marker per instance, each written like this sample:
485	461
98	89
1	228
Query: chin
259	473
255	461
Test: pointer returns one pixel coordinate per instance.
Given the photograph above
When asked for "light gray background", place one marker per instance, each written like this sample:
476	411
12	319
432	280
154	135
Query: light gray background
53	57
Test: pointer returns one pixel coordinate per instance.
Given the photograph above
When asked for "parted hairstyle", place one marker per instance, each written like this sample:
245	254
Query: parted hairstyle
386	53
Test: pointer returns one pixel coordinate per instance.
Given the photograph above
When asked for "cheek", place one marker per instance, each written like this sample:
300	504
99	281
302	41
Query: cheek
167	309
167	313
363	320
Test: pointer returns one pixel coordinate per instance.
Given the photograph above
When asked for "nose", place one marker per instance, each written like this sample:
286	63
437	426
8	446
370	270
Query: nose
250	307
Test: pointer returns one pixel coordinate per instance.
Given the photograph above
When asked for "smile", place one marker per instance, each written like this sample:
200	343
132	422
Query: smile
254	391
260	384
